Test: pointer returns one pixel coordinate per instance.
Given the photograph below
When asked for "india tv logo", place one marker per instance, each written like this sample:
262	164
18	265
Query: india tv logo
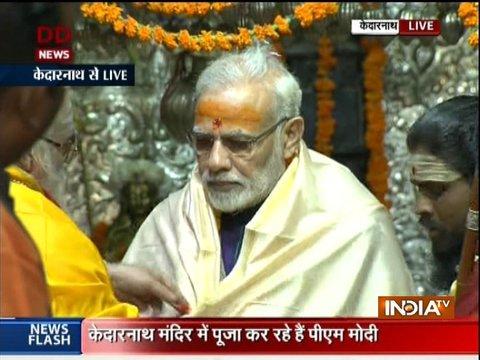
54	44
416	307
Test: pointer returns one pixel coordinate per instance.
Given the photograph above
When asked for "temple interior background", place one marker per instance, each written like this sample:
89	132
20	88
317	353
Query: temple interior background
360	95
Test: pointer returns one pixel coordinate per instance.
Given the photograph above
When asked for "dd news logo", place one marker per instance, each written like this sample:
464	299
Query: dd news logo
416	307
54	44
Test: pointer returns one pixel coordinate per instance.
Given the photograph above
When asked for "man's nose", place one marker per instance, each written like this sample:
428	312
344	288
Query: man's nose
219	159
423	205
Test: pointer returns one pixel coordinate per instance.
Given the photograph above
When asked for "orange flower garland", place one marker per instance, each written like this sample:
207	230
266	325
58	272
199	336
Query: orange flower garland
468	12
373	67
309	12
325	104
183	8
206	41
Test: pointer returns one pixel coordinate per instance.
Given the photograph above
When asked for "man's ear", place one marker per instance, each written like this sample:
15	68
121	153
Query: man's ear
293	132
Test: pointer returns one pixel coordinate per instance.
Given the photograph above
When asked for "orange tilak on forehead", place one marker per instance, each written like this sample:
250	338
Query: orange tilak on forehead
216	117
229	113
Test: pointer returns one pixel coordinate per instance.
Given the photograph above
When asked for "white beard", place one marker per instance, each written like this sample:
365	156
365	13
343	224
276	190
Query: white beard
252	190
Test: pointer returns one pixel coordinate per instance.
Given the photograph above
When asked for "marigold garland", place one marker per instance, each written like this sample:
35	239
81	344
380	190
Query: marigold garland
468	12
190	9
325	103
206	41
309	12
373	67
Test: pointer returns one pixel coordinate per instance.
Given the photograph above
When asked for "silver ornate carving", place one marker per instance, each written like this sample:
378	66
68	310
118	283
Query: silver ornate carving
118	123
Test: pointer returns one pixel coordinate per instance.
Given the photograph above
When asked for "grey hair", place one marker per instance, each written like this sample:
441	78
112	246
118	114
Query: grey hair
258	64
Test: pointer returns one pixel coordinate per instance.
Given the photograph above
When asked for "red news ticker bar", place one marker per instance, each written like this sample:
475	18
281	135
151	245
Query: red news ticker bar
427	27
392	337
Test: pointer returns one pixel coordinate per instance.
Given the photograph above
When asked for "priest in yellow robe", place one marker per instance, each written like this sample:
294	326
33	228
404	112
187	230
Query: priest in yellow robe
77	278
267	227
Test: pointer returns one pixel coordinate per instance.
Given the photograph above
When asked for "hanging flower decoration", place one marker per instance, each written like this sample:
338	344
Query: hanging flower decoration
307	13
207	41
468	12
373	67
190	9
325	103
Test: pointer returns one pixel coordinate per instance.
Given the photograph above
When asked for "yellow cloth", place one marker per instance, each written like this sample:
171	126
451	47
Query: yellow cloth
77	278
320	245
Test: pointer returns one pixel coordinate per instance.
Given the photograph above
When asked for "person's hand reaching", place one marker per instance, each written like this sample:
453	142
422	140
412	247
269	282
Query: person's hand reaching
143	288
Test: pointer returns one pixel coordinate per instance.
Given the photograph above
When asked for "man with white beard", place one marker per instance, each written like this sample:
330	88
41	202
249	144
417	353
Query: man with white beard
76	275
265	226
46	160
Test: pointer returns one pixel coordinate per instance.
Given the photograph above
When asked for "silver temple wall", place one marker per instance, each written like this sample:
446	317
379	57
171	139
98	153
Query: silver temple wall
118	125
